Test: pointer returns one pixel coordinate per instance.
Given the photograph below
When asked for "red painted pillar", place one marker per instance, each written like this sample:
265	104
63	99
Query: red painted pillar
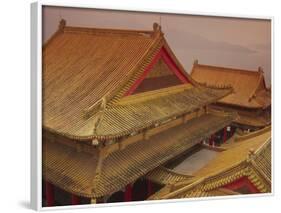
50	197
75	200
232	131
149	188
211	140
224	134
128	193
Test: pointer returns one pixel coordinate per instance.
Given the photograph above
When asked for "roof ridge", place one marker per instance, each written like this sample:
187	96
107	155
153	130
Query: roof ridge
139	97
63	28
227	69
117	31
107	30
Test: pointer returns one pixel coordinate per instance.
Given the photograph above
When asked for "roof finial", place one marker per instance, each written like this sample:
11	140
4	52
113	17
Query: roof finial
62	24
260	70
156	29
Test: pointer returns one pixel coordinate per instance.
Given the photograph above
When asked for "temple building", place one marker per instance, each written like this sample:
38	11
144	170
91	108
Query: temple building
251	98
242	166
117	107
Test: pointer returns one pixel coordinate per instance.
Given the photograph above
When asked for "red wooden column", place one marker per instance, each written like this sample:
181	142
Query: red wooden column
232	131
224	134
211	140
75	200
149	188
50	197
128	193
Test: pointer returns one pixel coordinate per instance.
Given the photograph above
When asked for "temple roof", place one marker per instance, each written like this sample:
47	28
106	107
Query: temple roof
249	86
75	171
82	66
87	72
246	118
165	176
247	156
137	112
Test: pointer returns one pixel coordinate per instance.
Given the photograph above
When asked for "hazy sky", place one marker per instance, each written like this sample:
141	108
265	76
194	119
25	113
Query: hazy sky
231	42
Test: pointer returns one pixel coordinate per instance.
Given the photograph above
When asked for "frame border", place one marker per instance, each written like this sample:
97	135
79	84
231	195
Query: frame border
36	98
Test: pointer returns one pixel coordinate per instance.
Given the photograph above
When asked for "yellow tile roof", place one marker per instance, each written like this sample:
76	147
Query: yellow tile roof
140	111
83	65
162	175
247	118
235	153
76	171
249	86
229	166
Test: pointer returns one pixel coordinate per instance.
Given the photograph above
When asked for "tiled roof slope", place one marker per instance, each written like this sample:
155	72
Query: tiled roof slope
145	110
249	86
75	171
230	165
84	69
165	176
257	118
83	65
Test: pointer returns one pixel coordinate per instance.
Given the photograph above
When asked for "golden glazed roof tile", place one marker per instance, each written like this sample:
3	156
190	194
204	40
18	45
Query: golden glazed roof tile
76	171
236	152
138	112
249	86
162	175
83	65
251	118
228	166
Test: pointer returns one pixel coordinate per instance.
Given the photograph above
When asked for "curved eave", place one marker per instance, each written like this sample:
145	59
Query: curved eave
242	105
255	167
69	169
138	128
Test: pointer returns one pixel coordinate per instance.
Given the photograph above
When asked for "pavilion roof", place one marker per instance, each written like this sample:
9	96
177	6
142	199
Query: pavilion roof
249	156
247	118
249	86
82	66
135	113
